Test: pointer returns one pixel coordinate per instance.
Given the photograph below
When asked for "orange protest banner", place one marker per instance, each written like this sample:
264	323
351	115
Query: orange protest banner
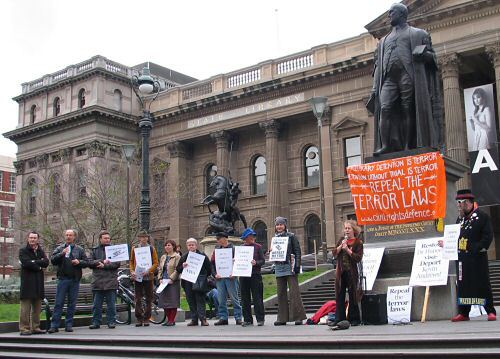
401	190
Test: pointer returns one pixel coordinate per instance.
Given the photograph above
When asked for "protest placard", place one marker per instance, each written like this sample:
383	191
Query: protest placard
399	304
372	257
143	257
162	286
450	241
400	190
117	253
279	246
429	268
243	257
194	263
224	262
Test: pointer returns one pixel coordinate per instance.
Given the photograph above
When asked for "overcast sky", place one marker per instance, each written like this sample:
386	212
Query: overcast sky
199	38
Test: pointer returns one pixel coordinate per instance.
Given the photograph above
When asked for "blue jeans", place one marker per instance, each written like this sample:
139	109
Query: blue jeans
99	296
70	288
229	286
213	296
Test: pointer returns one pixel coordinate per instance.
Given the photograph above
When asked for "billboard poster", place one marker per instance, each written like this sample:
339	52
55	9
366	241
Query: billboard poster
482	143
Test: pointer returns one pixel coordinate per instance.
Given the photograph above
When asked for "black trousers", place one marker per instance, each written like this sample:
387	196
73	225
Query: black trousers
196	301
252	286
346	283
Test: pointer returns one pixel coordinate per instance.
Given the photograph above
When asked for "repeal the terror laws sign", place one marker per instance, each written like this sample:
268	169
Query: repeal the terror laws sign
401	190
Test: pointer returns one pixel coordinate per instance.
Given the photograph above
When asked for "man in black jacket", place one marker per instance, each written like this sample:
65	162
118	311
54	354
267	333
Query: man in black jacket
33	260
104	283
69	259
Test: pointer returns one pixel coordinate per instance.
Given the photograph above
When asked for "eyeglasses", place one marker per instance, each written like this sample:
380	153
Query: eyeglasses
459	201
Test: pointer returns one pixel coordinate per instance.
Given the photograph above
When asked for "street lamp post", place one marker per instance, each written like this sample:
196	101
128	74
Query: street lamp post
318	106
128	151
146	90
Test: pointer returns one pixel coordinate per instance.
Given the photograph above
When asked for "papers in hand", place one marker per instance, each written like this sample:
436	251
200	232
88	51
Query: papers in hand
194	263
162	286
279	247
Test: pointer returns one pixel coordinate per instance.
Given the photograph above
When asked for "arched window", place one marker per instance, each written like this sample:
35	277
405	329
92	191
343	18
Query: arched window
57	106
55	192
117	100
313	233
261	229
259	176
311	166
210	172
81	98
32	194
32	114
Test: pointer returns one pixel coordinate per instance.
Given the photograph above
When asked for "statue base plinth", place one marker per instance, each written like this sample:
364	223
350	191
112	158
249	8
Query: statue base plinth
209	243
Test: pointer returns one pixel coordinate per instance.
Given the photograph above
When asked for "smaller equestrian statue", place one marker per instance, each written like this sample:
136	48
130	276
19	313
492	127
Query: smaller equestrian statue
225	196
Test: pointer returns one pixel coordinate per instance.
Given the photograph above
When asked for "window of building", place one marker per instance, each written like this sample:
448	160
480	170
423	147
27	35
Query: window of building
57	106
117	100
32	194
313	233
209	173
81	152
311	166
32	114
12	183
259	176
82	182
352	151
55	192
261	229
10	222
81	98
1	181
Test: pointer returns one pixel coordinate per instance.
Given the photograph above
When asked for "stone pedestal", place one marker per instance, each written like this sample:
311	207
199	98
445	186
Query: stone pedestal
208	244
399	243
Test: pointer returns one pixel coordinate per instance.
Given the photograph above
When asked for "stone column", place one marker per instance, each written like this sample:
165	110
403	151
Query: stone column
222	139
178	196
271	129
456	133
493	51
327	169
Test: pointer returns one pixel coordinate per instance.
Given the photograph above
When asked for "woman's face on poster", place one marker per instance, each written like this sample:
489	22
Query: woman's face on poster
477	99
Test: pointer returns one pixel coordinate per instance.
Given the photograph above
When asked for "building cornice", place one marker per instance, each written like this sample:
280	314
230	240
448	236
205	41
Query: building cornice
72	119
338	72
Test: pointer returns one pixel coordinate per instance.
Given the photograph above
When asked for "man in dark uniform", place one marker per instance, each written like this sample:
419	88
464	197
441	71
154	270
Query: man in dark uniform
405	97
473	278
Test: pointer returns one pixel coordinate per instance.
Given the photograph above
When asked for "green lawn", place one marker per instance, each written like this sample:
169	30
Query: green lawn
10	312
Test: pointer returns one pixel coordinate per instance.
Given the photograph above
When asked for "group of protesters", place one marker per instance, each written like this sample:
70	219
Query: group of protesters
69	258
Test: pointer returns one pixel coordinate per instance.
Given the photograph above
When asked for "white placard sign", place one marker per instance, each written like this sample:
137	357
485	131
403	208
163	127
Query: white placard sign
243	257
450	241
279	246
117	253
194	262
143	257
224	261
372	257
429	268
399	304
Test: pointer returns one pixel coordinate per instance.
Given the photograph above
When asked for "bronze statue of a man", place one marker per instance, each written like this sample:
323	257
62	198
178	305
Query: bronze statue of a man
406	99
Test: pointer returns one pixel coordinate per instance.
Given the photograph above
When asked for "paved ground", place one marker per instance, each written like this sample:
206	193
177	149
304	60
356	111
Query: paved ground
436	329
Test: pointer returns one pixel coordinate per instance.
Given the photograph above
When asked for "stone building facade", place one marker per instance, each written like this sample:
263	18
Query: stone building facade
256	125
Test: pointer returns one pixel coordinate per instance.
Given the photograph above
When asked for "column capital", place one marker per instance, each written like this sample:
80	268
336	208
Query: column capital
178	149
221	138
96	149
42	160
449	64
19	166
326	120
271	128
493	51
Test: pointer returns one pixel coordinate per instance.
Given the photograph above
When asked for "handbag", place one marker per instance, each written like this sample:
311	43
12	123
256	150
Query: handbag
201	284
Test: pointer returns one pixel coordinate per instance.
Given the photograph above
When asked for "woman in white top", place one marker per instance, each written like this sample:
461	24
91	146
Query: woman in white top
481	120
